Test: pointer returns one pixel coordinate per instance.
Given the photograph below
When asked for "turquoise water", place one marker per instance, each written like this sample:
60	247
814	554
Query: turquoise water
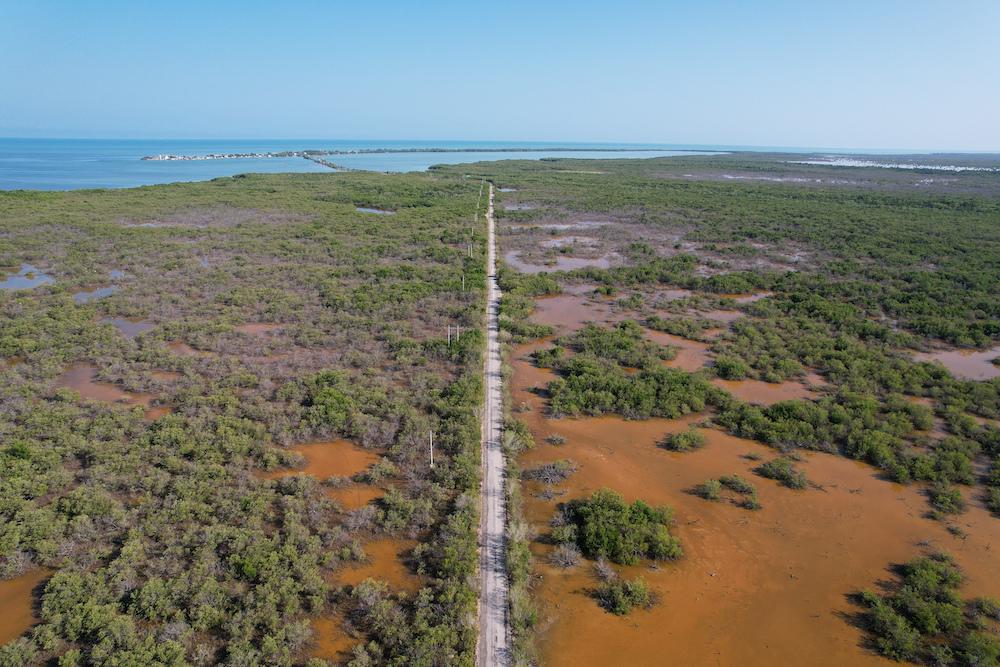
67	164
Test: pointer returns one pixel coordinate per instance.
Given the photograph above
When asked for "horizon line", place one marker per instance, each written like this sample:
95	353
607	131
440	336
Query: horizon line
548	143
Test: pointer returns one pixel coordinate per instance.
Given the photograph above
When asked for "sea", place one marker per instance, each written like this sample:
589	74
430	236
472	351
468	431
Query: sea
71	164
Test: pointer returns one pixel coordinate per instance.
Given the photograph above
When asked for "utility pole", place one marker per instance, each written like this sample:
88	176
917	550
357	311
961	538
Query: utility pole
432	447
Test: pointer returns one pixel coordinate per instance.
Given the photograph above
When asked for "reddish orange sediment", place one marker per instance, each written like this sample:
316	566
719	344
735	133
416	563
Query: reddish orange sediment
328	458
754	588
81	378
335	458
386	561
17	604
182	349
692	355
766	393
330	641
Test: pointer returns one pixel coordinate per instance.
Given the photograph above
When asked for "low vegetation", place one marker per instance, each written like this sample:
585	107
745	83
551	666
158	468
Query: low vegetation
923	619
734	488
684	441
274	314
621	596
551	473
839	283
783	470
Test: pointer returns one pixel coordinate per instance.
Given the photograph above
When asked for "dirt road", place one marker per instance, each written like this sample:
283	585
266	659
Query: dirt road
494	633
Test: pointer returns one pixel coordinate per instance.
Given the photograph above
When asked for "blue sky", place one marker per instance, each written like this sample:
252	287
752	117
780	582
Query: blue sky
875	74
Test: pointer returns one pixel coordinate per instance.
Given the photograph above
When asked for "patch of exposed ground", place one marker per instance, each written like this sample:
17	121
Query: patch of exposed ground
559	240
217	216
965	364
753	588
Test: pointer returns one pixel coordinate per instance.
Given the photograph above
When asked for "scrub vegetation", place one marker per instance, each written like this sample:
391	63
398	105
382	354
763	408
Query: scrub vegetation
277	315
605	526
883	267
256	313
923	618
848	280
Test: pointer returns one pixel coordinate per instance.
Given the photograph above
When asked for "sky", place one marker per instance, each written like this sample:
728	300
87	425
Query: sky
877	74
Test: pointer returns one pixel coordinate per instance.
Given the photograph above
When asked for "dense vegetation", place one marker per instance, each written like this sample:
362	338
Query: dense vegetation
605	526
165	543
623	343
923	619
593	385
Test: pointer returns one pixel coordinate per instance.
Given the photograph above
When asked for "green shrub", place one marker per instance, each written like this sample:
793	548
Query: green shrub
709	490
623	343
622	596
594	386
922	619
607	527
782	470
993	499
946	499
685	441
738	484
977	648
731	368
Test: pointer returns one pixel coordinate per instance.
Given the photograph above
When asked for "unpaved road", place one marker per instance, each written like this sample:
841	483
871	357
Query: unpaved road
494	633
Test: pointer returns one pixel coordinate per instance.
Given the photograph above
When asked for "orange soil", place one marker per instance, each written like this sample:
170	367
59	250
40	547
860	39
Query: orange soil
691	356
385	562
355	496
754	588
765	393
748	298
80	378
327	459
336	458
343	458
330	642
568	312
152	414
725	316
17	604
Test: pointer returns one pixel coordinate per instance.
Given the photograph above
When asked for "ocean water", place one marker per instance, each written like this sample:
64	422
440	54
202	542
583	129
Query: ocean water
68	164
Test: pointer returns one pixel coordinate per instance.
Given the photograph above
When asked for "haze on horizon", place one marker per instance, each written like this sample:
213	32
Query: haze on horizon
863	75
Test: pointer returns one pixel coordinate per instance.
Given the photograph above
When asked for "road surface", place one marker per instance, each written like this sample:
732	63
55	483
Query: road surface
494	633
